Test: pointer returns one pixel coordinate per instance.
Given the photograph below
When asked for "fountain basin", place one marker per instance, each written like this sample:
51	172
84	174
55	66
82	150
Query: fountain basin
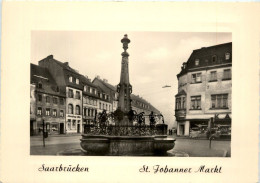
126	145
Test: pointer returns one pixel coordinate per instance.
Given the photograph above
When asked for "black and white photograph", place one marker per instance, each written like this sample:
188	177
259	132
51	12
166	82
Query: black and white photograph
131	94
122	92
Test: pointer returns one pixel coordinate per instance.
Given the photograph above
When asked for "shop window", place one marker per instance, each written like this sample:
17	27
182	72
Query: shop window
213	76
227	74
54	112
61	113
70	93
196	102
70	109
196	78
47	112
39	98
39	111
77	110
47	99
69	124
73	124
219	101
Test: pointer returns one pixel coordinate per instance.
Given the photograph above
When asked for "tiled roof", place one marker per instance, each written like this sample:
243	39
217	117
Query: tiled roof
42	75
141	100
205	57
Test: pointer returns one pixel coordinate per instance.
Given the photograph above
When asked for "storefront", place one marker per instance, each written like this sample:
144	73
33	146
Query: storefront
73	123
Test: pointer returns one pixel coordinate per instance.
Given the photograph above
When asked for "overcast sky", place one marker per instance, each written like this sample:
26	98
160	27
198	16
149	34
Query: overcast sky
155	58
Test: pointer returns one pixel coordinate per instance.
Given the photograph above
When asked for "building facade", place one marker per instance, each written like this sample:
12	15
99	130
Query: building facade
205	90
49	102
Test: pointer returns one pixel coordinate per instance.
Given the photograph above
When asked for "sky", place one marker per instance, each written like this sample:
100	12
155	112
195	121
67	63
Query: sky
155	58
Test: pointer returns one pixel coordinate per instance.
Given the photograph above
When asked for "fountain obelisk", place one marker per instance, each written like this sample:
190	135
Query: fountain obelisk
124	88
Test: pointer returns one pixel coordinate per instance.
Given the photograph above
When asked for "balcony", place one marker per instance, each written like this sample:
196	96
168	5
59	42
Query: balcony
180	113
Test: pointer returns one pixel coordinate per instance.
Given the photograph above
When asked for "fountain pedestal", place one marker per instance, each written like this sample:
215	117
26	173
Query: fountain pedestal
126	145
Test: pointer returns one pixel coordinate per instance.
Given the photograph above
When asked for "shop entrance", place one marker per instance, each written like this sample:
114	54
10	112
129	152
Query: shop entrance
61	128
78	128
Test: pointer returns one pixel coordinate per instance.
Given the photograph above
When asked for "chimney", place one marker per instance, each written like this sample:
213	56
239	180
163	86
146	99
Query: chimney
66	63
98	77
105	80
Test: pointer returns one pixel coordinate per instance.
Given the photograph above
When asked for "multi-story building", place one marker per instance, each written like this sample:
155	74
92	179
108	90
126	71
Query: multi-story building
70	82
109	89
204	89
49	102
33	128
90	101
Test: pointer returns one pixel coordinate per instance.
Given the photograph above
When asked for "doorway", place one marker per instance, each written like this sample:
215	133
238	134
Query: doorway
61	128
78	128
181	130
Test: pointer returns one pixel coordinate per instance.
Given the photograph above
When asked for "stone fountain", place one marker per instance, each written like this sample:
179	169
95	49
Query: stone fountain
124	138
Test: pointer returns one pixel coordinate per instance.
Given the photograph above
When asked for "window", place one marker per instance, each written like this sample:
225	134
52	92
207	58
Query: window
39	98
100	105
70	109
69	124
77	81
61	101
227	74
196	78
214	58
47	99
178	103
184	102
103	106
55	100
227	56
95	91
39	111
213	76
54	112
219	101
70	93
85	88
70	79
57	89
47	112
77	110
40	85
197	62
61	113
90	90
77	95
196	102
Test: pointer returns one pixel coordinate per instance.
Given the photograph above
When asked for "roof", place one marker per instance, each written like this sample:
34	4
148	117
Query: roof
205	57
140	99
109	86
182	92
41	75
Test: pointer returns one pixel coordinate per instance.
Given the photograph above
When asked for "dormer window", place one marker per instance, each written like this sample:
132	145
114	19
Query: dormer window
227	56
70	79
77	81
197	62
85	88
214	58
